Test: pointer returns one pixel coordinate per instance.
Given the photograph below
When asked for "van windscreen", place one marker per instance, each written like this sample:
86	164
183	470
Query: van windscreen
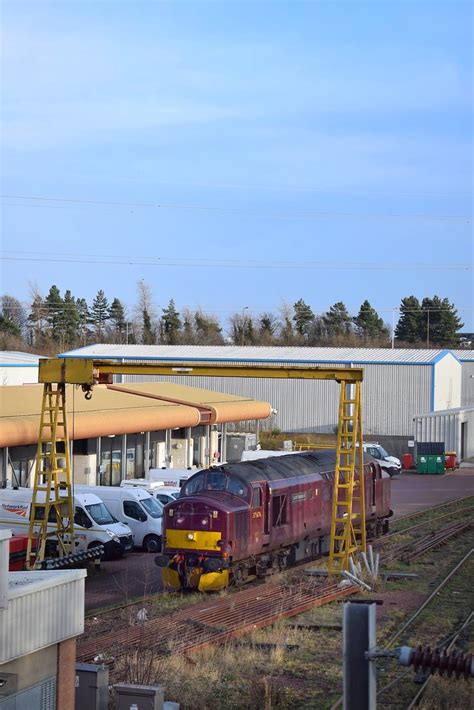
152	507
100	514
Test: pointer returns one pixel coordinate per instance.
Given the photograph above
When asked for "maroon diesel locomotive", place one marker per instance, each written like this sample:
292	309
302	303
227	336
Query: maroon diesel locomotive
247	519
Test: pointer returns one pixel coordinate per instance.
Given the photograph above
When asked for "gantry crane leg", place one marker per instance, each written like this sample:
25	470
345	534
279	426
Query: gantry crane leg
348	505
52	499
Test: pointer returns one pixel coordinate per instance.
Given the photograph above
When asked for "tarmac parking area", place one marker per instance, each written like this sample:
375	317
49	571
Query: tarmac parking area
123	580
412	491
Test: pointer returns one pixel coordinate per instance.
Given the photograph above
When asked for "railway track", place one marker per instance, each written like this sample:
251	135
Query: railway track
208	623
412	550
377	544
401	632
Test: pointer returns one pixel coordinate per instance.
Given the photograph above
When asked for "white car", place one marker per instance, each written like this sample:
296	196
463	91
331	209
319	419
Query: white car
387	463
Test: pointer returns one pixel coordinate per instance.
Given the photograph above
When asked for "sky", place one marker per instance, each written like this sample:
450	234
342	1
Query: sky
239	154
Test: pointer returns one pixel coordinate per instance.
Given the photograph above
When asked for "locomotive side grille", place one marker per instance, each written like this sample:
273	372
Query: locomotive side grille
241	526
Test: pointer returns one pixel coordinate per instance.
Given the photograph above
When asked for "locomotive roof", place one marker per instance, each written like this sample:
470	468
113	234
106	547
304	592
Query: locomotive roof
275	468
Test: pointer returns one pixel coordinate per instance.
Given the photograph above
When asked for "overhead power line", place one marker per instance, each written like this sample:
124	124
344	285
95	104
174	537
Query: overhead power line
156	261
305	214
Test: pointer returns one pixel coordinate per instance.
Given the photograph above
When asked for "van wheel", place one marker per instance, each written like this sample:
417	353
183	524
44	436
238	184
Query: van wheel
152	543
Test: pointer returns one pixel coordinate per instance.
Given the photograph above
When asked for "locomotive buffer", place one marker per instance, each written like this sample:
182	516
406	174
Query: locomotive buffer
53	472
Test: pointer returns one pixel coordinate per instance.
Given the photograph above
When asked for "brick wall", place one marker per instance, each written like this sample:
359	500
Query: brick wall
65	699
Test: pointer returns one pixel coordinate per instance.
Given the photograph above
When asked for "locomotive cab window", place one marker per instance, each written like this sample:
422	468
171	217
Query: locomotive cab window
235	486
257	497
196	484
215	481
279	511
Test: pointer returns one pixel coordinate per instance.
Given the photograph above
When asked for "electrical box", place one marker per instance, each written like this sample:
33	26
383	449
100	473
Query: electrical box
139	697
159	454
237	444
92	686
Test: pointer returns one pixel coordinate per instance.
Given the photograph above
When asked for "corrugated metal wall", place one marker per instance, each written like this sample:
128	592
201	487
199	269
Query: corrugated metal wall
448	427
40	618
392	395
467	386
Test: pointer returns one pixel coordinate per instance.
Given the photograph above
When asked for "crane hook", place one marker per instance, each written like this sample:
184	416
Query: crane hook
87	391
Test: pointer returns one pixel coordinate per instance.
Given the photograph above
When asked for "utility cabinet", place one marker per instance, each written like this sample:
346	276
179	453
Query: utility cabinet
92	686
139	697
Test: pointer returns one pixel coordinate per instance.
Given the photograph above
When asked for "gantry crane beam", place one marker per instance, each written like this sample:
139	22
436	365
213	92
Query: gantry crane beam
348	524
89	372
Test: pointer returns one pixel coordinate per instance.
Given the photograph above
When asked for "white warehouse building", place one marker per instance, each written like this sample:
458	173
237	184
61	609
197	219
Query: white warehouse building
17	368
466	357
399	384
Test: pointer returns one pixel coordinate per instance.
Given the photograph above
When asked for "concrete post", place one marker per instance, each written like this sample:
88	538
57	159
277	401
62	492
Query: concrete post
146	454
359	682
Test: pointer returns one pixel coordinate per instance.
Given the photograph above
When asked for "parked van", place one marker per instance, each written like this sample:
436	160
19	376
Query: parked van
135	507
171	476
163	494
93	522
387	463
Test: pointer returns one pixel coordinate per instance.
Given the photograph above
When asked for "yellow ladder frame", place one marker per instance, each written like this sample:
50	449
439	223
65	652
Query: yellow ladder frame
348	534
52	476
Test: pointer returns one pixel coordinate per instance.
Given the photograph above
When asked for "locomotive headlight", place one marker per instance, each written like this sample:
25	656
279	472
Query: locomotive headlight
190	536
204	521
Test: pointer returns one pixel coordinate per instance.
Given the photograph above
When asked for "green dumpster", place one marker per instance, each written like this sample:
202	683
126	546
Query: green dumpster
432	464
422	464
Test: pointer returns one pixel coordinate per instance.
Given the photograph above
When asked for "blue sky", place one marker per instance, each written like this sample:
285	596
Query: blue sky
336	133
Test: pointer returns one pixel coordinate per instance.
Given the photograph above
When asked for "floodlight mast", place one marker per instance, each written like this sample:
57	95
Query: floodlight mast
348	533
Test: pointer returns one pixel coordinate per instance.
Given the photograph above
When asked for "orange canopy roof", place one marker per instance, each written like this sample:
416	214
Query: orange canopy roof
115	411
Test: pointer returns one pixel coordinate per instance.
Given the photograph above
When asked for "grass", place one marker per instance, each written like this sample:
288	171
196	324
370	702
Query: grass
310	677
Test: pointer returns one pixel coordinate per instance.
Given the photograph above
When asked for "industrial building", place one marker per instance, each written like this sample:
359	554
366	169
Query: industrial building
124	430
399	384
466	358
18	368
41	614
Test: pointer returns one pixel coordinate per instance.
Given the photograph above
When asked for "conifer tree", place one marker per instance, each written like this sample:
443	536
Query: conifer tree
148	334
171	323
54	308
99	313
303	315
83	318
36	321
337	320
439	322
71	319
117	318
409	328
368	324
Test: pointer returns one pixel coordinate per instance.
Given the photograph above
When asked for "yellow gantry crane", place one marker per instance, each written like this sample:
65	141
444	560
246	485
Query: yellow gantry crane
52	490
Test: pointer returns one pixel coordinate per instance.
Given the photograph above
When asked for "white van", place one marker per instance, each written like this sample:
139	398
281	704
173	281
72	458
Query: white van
163	494
135	507
171	476
93	522
390	464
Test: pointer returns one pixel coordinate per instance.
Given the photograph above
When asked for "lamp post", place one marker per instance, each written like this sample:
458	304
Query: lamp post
393	325
245	308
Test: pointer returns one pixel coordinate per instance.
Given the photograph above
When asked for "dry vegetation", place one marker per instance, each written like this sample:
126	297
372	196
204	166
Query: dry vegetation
310	675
